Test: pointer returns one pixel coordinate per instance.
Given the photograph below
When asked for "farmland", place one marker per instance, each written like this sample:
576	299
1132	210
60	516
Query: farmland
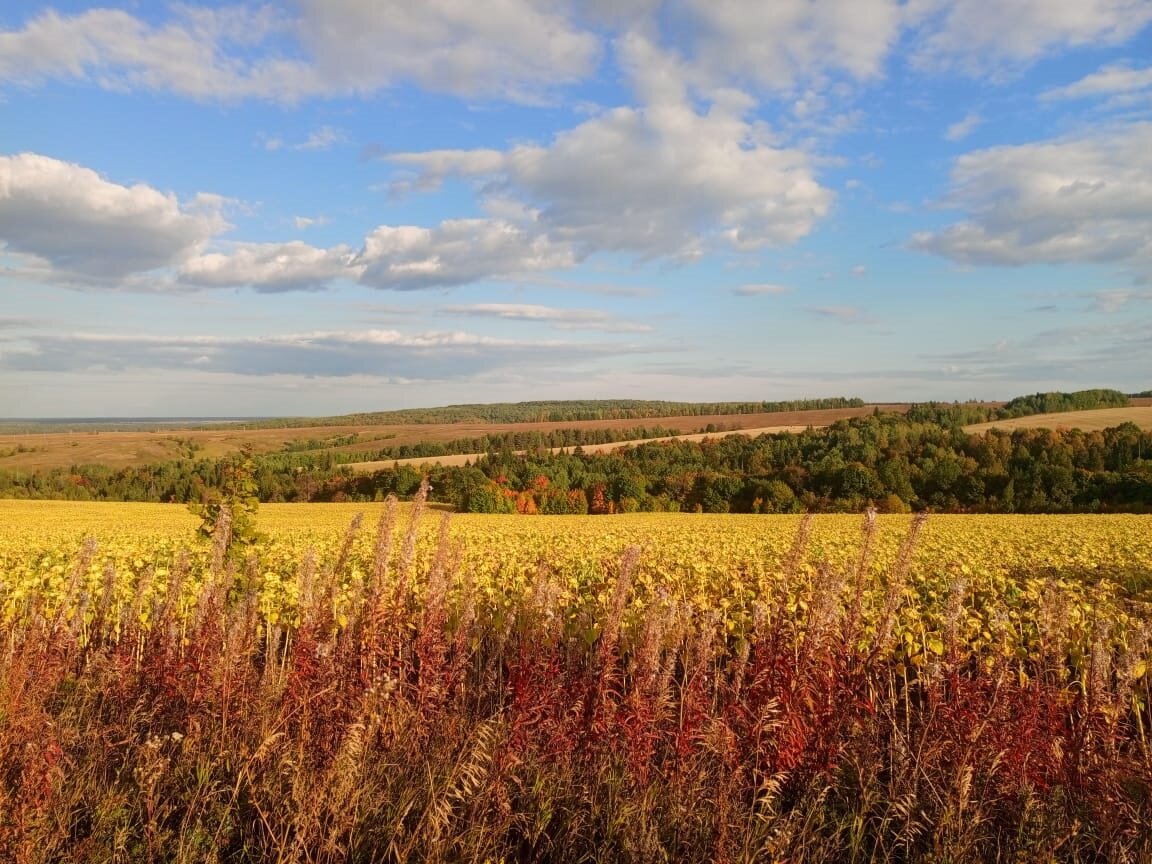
29	451
1139	413
411	686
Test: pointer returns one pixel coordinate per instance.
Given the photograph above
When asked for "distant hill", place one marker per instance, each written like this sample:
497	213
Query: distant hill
555	411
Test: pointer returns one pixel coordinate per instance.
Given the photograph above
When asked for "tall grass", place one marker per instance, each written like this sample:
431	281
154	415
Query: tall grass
416	723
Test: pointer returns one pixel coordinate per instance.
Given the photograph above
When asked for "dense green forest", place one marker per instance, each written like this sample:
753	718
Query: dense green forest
888	460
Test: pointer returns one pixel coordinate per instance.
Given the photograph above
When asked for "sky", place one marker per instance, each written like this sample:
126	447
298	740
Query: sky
327	206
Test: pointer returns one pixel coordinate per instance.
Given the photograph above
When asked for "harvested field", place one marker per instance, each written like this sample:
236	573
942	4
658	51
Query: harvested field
1103	418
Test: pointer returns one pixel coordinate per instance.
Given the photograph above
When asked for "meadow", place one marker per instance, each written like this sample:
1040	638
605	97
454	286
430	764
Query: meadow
392	683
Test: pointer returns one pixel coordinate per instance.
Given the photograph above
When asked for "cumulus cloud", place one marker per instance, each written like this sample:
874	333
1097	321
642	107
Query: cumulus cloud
1119	82
270	267
391	353
561	319
506	48
88	228
456	252
68	225
1072	200
521	49
761	289
484	47
395	257
981	36
662	180
189	55
775	45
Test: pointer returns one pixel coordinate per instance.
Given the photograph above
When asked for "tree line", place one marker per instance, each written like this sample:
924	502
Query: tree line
554	411
888	460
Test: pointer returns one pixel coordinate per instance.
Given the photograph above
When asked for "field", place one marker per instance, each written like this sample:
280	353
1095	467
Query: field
1140	413
32	451
414	686
117	449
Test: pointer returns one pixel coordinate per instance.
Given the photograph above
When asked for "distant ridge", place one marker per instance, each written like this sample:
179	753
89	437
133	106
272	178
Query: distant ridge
112	424
558	411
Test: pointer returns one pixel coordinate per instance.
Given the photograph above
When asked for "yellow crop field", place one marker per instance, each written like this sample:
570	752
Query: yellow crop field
417	686
723	564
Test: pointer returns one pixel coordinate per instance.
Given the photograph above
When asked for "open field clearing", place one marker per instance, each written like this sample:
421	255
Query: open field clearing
1103	418
414	686
42	450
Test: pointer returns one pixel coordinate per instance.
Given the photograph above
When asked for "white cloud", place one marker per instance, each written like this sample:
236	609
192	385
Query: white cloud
982	36
859	271
92	229
562	319
71	226
662	180
961	129
396	257
483	47
303	223
115	50
270	267
776	44
322	353
761	289
506	48
1117	80
456	252
1072	200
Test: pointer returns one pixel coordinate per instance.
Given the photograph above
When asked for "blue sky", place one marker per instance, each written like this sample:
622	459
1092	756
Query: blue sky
350	205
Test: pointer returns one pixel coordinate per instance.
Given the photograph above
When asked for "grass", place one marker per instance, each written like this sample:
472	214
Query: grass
404	715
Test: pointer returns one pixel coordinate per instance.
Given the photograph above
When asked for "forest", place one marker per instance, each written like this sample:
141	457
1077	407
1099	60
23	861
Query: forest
894	462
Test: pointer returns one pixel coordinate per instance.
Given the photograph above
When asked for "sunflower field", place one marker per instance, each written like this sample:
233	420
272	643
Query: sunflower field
392	683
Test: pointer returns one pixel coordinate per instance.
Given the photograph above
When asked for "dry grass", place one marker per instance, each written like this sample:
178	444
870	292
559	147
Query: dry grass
1104	418
121	449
